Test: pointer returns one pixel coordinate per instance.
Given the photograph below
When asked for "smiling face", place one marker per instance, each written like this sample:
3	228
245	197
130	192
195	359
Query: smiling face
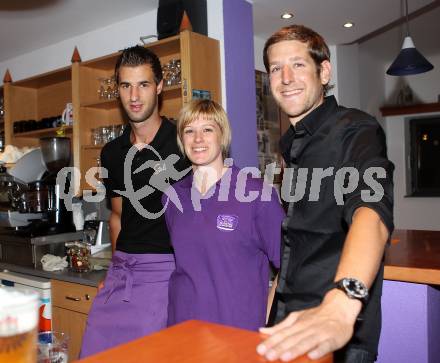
202	143
139	92
295	82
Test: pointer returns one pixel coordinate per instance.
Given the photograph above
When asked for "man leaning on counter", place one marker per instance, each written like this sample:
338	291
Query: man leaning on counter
329	286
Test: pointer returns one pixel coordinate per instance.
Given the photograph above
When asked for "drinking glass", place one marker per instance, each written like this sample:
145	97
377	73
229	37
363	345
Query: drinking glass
52	347
101	89
121	129
105	134
96	136
18	325
113	132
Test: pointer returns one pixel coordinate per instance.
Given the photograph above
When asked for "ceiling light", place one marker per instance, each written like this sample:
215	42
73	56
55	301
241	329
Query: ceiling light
409	60
286	16
348	24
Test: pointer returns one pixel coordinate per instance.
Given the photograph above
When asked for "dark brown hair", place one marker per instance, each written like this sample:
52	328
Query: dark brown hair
316	45
138	56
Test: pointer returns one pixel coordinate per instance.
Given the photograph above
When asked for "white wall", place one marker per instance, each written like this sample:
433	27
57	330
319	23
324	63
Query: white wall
372	77
347	80
258	53
409	212
424	31
334	80
105	41
360	81
376	55
378	89
90	45
215	30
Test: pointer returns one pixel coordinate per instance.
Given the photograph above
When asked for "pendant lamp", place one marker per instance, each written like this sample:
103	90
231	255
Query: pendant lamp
409	61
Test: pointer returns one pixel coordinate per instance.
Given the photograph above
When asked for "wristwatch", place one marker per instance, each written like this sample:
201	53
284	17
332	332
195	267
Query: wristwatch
353	288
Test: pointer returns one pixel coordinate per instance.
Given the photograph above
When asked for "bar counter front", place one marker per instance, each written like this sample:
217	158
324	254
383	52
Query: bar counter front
411	298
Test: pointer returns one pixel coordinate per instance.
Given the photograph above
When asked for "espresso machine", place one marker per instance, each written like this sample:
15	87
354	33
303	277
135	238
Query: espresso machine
35	206
33	217
56	155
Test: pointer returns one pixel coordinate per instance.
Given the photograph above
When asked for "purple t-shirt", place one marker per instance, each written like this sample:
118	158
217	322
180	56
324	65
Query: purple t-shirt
222	251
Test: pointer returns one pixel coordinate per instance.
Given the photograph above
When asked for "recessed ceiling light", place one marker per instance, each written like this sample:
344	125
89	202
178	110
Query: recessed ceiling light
286	16
348	24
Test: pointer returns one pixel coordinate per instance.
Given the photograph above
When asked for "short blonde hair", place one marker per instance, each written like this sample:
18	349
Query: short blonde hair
210	110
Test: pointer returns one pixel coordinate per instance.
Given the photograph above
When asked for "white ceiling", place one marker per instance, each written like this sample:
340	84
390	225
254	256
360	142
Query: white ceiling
26	25
328	16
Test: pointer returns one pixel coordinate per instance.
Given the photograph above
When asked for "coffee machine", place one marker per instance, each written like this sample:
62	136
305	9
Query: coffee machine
35	205
56	155
33	218
19	206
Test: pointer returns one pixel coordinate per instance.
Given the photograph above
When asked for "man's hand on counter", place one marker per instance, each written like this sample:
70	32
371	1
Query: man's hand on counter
315	331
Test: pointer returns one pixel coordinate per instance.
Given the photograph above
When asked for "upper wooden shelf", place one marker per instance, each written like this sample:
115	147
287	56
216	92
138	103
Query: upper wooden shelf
107	104
162	48
165	47
106	62
46	79
103	104
43	132
92	147
406	110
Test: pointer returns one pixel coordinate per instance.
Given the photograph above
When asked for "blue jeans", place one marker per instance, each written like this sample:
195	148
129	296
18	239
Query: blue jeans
354	355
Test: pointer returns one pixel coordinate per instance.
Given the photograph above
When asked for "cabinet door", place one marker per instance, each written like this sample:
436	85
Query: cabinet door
72	323
34	104
70	305
200	67
73	296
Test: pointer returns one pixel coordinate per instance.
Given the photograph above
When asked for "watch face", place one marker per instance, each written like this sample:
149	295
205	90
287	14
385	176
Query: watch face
355	288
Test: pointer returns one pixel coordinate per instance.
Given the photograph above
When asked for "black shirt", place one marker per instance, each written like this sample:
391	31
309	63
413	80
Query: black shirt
141	232
335	137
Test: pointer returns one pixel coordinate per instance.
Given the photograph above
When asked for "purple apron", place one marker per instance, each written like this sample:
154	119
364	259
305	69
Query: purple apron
133	302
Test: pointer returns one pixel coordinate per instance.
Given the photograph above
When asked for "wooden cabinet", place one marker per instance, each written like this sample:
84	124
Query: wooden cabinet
2	119
70	305
200	70
47	94
32	100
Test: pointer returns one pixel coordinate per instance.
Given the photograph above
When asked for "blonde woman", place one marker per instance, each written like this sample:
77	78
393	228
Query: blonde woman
227	233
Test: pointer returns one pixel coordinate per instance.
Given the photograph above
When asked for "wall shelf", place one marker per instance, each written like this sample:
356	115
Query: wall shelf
108	104
103	104
406	110
92	147
43	132
47	94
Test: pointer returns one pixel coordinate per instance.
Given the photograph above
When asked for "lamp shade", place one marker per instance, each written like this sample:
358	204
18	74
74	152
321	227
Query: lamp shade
409	61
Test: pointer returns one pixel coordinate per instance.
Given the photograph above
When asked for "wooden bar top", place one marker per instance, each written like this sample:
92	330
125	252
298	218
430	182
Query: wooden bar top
192	342
413	256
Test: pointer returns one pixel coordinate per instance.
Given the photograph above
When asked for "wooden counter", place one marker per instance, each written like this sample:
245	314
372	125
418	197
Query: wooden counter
413	256
192	342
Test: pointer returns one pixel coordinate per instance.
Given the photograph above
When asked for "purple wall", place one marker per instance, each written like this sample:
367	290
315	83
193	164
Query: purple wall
410	323
240	81
434	323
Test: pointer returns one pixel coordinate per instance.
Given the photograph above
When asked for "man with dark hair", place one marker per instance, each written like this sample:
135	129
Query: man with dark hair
134	297
327	296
